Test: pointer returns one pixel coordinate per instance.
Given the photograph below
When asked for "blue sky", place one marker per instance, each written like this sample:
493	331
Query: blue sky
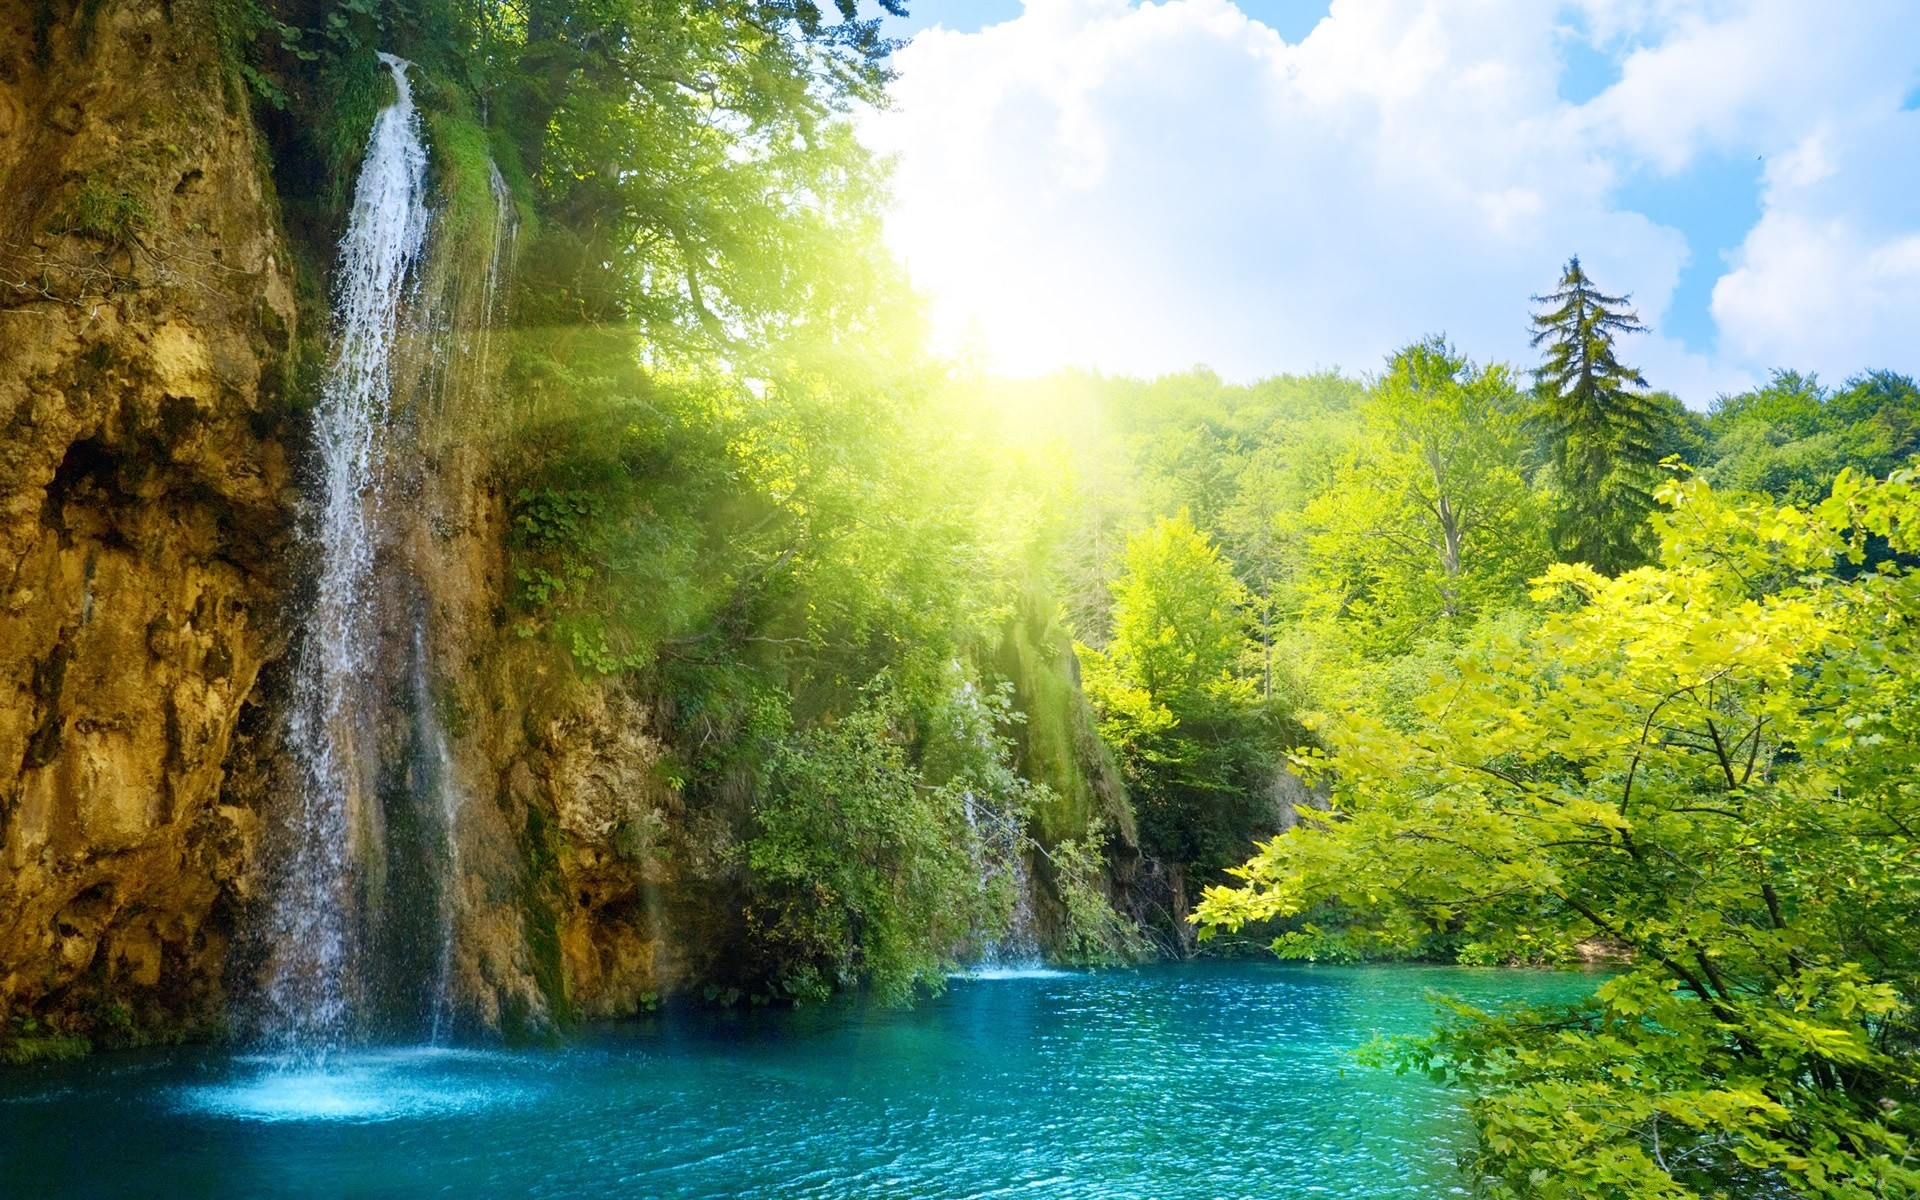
1291	19
1285	184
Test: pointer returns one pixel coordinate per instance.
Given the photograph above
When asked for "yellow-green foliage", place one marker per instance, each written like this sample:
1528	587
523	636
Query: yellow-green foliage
1710	764
1178	701
1059	745
1429	520
25	1040
460	156
1093	933
462	153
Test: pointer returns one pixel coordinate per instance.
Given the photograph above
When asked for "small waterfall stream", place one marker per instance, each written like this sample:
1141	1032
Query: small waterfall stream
1000	847
506	231
1001	861
334	829
435	775
454	415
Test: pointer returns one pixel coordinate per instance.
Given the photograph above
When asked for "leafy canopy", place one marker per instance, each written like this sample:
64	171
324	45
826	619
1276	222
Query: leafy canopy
1174	696
1707	766
1430	518
1791	437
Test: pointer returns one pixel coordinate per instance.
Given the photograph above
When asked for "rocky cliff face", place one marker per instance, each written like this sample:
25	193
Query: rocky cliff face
146	316
584	888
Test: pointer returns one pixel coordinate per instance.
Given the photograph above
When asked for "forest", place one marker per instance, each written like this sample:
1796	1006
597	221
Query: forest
1577	671
1519	664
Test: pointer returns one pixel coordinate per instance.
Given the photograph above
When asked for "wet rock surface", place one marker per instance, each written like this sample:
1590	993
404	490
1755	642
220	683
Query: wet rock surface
145	502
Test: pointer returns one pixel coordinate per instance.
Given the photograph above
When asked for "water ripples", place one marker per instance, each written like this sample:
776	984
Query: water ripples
1206	1082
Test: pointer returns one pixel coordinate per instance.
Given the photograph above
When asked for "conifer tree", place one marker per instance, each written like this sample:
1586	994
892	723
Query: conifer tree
1602	425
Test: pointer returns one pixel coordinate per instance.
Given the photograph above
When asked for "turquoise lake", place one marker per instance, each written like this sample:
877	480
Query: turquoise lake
1208	1080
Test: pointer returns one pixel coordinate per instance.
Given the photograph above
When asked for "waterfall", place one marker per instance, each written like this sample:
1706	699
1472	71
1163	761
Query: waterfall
506	229
998	842
434	773
455	414
1019	947
333	836
1000	861
464	297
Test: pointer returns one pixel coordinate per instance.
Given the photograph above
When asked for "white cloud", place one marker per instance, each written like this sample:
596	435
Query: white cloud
1822	292
1143	187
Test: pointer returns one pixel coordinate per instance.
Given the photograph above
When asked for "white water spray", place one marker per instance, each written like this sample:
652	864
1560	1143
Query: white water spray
334	826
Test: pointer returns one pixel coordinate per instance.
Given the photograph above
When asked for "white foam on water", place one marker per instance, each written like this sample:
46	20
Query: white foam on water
362	1087
1012	972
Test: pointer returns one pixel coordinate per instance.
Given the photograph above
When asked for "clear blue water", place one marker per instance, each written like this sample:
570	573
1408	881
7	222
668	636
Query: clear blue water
1229	1080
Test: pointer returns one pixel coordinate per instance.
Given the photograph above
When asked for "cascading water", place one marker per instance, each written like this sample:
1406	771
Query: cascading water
454	410
1001	862
465	293
434	766
999	845
334	828
506	230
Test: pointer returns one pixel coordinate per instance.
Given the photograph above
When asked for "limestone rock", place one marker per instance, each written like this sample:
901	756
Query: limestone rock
145	505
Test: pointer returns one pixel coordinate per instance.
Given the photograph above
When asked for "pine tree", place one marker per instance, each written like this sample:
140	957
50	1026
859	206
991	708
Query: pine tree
1603	427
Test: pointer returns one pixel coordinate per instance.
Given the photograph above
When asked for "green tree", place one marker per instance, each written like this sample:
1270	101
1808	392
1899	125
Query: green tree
696	165
1792	436
1255	531
1430	518
1174	699
888	839
1603	428
861	870
1178	620
1707	765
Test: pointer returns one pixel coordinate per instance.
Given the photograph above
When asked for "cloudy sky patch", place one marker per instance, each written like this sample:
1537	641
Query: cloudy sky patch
1279	185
